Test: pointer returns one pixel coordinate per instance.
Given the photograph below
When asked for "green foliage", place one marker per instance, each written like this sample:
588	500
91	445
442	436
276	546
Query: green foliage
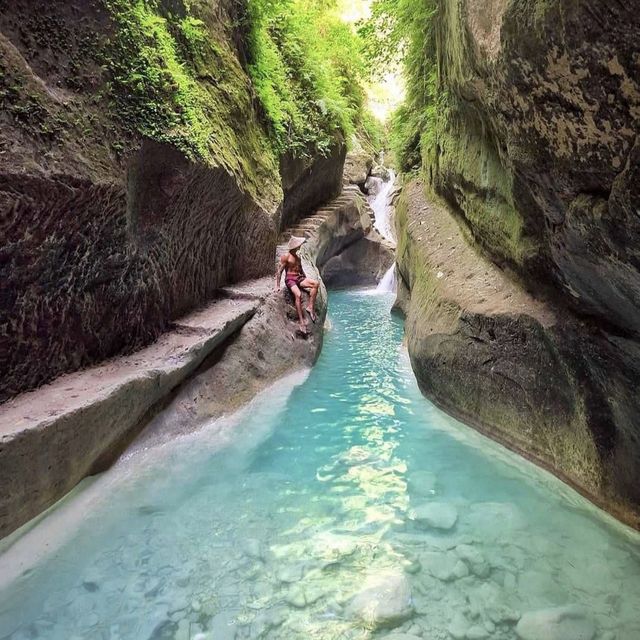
372	132
307	69
404	29
174	76
173	79
154	91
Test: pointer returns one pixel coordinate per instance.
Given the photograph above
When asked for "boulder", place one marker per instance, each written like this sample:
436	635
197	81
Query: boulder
562	623
357	166
363	263
458	627
435	515
443	566
474	559
379	171
385	601
373	185
477	632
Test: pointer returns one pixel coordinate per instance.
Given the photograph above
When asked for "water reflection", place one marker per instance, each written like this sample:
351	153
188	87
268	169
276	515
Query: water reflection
284	524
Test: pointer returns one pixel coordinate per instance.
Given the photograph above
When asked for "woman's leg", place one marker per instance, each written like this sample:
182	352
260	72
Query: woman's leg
313	286
297	294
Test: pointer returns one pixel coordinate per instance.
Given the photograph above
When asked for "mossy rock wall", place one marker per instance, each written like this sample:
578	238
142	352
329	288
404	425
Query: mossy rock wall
525	372
535	142
136	176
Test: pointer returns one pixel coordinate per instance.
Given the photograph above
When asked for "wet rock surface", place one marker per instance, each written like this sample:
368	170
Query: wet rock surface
269	525
562	623
310	182
76	426
384	603
357	167
363	263
109	236
526	371
535	152
435	515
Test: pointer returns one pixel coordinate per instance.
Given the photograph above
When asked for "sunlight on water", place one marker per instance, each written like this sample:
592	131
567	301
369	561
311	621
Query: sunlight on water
338	508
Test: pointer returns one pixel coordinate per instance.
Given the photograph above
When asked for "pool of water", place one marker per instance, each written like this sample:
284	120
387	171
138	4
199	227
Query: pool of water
336	506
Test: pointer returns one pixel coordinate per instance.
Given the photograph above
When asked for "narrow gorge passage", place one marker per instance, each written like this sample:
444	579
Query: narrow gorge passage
331	509
184	456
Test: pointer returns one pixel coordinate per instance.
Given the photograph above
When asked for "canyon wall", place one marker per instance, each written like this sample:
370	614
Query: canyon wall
212	361
532	148
136	176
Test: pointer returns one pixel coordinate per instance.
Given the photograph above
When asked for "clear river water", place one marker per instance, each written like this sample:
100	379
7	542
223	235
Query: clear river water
339	504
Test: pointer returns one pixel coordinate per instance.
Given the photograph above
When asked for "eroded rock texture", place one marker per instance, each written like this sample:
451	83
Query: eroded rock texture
212	361
310	182
86	273
525	371
537	144
534	148
123	208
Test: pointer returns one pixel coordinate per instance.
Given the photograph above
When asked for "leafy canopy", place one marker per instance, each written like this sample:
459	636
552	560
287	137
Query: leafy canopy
308	70
404	30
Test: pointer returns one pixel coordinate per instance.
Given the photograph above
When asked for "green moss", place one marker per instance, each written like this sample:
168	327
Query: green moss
428	308
172	72
468	170
29	108
177	80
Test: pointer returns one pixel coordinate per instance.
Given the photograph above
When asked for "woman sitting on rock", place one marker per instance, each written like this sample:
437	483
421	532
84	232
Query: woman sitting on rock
295	279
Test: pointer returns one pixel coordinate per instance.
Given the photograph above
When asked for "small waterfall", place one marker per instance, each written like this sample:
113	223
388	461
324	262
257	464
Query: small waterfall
382	207
388	283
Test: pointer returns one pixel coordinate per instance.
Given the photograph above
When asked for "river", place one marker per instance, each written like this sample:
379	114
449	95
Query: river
280	521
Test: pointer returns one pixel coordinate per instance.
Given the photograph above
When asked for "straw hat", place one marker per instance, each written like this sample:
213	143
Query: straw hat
295	243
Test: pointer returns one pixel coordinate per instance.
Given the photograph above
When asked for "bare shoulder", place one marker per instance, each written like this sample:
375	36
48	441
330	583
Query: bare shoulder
284	258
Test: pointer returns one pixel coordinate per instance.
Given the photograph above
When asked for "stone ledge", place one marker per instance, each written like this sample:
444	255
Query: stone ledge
46	447
53	437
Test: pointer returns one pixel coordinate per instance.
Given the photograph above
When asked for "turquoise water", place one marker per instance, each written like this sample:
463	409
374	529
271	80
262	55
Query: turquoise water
282	521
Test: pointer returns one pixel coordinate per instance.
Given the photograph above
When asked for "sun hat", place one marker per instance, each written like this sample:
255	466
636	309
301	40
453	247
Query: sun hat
295	243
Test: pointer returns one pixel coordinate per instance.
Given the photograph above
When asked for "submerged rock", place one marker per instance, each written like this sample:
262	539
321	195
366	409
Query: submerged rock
495	605
223	626
443	566
562	623
301	596
477	632
385	602
290	573
436	515
458	627
474	559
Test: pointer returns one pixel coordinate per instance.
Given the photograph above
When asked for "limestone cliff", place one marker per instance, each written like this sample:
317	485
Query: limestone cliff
136	176
532	144
535	142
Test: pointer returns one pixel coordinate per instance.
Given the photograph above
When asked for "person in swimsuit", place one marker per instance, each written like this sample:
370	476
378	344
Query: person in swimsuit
295	279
